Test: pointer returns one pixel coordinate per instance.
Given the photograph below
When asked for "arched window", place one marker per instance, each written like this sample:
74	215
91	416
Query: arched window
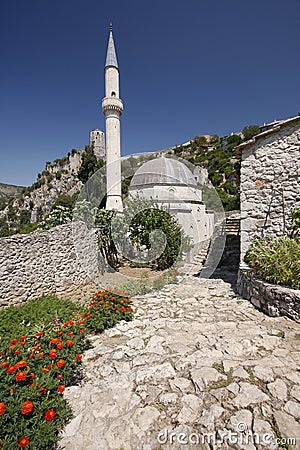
113	94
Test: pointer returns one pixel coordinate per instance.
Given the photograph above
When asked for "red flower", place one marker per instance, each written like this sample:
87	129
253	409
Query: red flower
60	363
60	376
49	415
4	364
13	341
123	309
52	354
23	441
70	334
43	390
79	357
61	388
17	352
2	408
22	338
60	346
69	343
40	333
41	354
27	407
82	330
21	376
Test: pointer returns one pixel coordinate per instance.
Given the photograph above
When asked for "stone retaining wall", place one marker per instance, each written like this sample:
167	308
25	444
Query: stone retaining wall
271	299
36	264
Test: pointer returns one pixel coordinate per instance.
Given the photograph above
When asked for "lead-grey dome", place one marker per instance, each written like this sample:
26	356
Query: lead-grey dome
163	171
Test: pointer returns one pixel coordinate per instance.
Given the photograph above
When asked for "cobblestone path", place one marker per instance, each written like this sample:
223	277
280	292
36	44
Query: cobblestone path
197	364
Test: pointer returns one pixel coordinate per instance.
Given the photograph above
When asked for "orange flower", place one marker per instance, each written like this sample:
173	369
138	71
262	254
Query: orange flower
60	376
2	408
60	346
21	376
69	343
59	333
43	390
23	441
4	364
79	357
17	352
52	354
27	407
13	341
11	391
31	356
40	333
54	341
70	334
23	343
22	338
21	364
60	363
32	376
123	309
61	388
49	415
45	370
82	330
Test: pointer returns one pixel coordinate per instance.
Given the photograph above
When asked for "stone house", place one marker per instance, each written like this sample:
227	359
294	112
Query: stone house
270	181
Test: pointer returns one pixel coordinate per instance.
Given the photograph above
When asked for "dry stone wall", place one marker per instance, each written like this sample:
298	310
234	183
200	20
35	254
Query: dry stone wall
270	182
36	264
271	299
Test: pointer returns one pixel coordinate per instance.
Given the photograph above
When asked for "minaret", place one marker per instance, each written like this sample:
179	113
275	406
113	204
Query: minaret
112	108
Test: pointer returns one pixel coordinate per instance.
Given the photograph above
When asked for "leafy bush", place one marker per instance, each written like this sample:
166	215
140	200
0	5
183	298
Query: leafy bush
295	225
250	131
276	260
41	351
58	216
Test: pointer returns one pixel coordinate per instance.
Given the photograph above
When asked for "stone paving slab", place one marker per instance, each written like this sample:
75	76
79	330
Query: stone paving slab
198	367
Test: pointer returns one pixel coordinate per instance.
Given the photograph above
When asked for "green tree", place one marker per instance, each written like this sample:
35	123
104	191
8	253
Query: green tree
250	131
89	164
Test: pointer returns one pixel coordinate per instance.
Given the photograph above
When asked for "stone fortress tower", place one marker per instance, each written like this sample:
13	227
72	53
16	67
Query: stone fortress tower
97	141
112	108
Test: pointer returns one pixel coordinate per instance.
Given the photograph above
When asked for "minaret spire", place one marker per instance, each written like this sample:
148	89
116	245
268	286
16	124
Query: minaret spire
112	108
111	56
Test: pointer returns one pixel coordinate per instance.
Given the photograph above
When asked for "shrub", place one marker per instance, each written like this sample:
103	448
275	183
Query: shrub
58	216
276	260
41	351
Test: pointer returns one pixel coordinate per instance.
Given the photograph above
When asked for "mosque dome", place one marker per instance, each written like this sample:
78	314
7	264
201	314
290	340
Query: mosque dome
163	171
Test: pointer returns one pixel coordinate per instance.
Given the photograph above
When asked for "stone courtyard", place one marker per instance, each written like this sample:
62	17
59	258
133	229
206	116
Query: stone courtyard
198	367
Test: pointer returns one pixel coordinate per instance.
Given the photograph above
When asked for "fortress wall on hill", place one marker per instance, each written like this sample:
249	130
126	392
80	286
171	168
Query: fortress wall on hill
36	264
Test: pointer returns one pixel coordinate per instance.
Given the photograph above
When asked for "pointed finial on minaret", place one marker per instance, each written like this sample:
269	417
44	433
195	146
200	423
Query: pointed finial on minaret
111	57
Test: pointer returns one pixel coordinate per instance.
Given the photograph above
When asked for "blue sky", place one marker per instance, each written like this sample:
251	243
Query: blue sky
187	68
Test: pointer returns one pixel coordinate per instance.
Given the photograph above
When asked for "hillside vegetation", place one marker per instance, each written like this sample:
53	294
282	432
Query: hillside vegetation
50	200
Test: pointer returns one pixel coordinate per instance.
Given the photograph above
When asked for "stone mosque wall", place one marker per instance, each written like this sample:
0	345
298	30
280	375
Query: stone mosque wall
270	182
36	264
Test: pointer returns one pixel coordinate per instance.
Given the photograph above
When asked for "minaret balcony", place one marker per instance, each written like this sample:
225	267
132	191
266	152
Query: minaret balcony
112	104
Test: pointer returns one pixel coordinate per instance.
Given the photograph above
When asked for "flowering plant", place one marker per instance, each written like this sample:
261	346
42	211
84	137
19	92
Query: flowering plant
36	367
276	259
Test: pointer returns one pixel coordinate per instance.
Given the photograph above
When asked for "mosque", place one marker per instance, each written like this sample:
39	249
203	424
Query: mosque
166	180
